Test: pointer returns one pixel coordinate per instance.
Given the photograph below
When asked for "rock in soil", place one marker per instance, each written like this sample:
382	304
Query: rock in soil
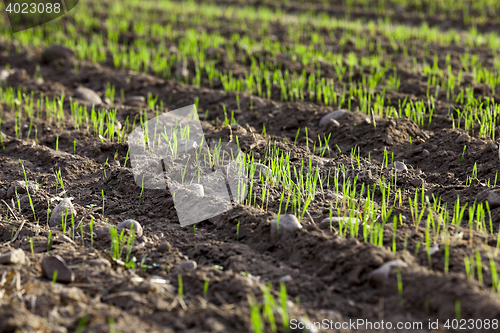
380	275
127	224
164	247
87	95
493	198
58	214
425	153
4	75
400	166
56	263
260	169
20	185
285	228
99	262
186	266
286	278
338	219
64	239
135	100
332	115
464	138
13	257
57	52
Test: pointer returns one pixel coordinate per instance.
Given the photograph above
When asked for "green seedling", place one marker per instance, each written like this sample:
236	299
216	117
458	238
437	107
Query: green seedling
180	289
48	241
64	220
238	231
400	286
91	231
479	267
27	191
255	315
73	225
112	325
284	306
446	258
54	277
142	190
417	247
205	289
82	323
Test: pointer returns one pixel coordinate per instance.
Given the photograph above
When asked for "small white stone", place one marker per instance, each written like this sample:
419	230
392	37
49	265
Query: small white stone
332	115
4	75
342	219
58	214
186	266
13	257
87	95
261	169
400	166
20	187
286	278
127	224
285	227
380	275
462	138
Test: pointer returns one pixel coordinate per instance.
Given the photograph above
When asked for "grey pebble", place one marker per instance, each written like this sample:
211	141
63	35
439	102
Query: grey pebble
164	247
56	263
332	115
99	262
261	169
286	278
59	212
463	138
186	266
400	166
135	100
13	257
20	185
379	276
285	227
128	223
87	95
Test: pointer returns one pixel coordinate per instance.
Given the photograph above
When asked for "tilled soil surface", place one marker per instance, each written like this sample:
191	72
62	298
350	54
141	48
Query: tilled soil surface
326	275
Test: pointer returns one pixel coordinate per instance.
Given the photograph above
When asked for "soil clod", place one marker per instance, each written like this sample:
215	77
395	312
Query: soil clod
57	52
13	257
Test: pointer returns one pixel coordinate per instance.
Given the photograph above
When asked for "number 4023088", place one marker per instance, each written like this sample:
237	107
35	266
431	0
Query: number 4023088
34	8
